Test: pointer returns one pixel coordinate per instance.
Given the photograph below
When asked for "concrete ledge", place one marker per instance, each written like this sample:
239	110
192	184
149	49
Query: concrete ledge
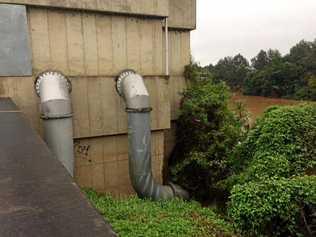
182	14
158	8
37	196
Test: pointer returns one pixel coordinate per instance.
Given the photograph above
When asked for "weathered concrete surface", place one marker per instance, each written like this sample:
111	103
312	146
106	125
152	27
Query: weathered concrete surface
158	8
95	44
37	196
182	14
15	53
92	46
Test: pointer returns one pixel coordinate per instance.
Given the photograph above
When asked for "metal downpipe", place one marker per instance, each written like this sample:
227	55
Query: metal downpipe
54	89
132	88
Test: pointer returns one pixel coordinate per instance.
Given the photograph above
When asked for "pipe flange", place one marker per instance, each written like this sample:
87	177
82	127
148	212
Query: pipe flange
50	75
120	78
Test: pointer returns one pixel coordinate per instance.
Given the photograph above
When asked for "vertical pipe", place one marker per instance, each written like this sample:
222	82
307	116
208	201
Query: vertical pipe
131	87
53	88
167	45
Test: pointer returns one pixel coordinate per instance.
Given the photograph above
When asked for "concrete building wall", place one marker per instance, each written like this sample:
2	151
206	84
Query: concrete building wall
179	56
139	7
91	48
182	14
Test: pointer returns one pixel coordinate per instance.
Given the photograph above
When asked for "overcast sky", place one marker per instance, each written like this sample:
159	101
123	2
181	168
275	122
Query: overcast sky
229	27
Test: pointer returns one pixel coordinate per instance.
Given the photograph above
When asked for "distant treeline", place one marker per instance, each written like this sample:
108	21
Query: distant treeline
270	74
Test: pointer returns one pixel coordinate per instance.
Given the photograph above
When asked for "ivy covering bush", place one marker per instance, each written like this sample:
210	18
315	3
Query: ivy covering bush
265	171
274	207
143	218
270	193
282	144
207	132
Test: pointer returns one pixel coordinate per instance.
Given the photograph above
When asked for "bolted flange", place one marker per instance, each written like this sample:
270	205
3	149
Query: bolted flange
120	79
51	75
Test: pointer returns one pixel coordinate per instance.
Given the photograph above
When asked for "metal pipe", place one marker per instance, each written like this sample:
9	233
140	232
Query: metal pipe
54	89
167	45
131	87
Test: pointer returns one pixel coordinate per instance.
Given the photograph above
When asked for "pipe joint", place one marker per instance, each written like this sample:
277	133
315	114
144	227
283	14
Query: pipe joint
54	90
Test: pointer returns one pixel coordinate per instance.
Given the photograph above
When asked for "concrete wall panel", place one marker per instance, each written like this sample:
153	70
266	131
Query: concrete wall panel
158	8
98	110
182	14
15	52
93	44
91	49
179	57
102	163
179	51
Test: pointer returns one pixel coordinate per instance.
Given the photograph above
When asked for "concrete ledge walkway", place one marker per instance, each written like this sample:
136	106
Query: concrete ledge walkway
37	196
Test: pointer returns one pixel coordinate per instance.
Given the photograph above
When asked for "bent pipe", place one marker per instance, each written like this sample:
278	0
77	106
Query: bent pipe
131	87
54	90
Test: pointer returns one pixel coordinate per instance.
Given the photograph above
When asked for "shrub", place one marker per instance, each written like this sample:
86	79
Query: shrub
274	207
282	144
270	194
207	132
136	217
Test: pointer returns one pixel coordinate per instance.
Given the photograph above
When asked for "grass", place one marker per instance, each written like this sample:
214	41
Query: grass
134	217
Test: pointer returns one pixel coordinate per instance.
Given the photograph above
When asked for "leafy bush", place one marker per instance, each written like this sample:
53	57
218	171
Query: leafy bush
270	194
207	132
274	207
282	144
136	217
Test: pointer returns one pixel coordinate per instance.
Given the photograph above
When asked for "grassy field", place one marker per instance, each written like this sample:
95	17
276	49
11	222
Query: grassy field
134	217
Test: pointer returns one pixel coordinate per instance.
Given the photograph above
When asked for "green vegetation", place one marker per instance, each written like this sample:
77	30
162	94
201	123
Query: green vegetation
274	207
282	144
271	74
207	132
265	176
176	218
270	194
264	171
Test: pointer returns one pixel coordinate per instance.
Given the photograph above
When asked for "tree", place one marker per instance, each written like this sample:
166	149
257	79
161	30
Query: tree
271	74
260	61
274	55
278	79
304	54
207	131
308	92
232	70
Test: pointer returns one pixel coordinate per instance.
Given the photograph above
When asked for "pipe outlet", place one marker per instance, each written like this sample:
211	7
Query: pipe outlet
54	90
131	87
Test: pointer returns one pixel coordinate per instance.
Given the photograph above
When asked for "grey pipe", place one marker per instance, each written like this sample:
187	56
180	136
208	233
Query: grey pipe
54	89
132	88
167	45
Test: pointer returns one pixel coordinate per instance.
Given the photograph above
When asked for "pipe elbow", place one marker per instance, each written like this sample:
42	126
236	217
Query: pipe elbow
146	187
54	89
131	87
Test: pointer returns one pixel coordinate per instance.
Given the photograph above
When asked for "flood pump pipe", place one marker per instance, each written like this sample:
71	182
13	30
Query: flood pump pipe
54	90
131	87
